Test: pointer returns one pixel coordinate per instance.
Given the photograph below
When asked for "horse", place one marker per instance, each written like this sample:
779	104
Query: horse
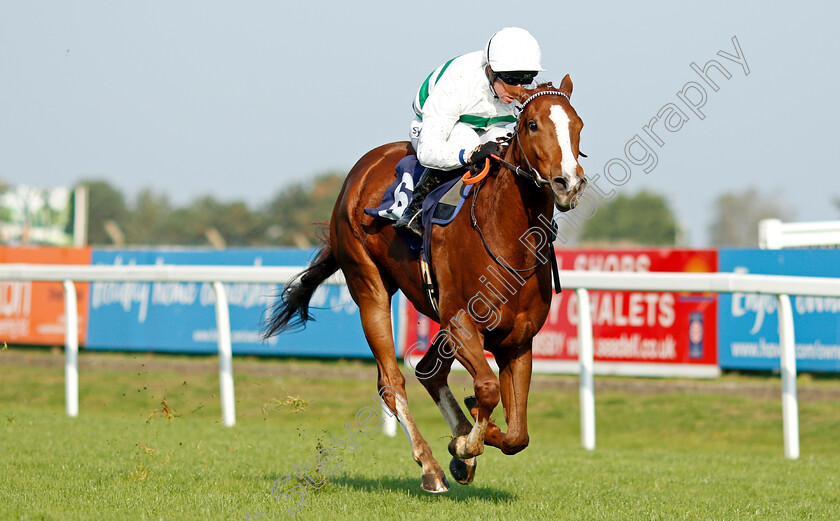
503	236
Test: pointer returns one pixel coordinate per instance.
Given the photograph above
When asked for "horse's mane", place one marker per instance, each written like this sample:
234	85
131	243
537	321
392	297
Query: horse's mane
542	87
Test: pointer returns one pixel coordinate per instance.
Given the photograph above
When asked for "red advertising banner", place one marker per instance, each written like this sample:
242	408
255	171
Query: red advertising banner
33	312
635	333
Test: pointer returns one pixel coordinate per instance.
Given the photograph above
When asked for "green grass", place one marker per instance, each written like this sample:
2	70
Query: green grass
660	456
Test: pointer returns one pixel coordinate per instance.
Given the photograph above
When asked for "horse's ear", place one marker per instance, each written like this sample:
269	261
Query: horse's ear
566	86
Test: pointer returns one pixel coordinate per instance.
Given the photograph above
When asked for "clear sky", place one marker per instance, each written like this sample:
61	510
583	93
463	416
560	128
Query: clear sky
236	99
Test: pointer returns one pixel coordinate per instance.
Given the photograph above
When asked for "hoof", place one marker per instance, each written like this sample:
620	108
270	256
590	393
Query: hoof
434	483
470	402
472	406
463	470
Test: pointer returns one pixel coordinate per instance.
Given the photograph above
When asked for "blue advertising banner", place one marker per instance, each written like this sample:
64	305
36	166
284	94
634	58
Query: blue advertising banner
180	317
748	327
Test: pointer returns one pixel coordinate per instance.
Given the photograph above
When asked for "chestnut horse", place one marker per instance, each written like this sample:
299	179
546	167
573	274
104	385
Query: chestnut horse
502	236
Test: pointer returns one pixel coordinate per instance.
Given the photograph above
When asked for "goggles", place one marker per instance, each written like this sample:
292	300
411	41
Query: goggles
516	77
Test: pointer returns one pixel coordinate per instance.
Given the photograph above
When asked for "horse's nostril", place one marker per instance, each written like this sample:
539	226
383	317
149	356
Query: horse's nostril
562	182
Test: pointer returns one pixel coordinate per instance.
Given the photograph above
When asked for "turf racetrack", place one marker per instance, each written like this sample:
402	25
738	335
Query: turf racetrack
148	444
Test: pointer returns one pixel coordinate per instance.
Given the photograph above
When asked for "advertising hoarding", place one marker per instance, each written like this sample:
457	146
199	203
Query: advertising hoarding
635	333
749	325
32	215
180	316
33	312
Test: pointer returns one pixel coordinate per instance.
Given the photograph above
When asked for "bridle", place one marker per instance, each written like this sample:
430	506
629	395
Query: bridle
529	172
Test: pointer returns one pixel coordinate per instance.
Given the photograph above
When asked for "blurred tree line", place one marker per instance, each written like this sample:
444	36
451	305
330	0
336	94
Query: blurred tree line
288	219
646	219
291	217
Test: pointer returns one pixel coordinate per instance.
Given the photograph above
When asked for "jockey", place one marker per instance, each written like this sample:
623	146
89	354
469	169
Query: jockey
463	108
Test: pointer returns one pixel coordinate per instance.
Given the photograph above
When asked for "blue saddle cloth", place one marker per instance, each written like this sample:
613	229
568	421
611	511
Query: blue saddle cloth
439	207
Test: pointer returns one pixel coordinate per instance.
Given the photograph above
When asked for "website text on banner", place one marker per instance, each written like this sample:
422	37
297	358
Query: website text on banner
749	337
33	312
180	316
636	333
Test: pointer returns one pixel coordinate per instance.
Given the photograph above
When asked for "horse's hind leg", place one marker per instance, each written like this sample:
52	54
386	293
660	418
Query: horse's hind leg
375	309
433	373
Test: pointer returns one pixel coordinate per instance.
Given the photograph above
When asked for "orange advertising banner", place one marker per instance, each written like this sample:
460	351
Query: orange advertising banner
33	312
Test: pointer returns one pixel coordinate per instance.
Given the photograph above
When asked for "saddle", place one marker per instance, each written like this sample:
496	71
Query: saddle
440	208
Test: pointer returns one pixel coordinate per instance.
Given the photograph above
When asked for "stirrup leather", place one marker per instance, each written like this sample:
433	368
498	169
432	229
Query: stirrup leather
429	286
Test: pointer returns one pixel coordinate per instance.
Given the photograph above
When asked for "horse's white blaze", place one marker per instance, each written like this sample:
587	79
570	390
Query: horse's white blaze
564	138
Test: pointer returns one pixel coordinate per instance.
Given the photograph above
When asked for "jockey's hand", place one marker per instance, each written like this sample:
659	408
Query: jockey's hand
482	152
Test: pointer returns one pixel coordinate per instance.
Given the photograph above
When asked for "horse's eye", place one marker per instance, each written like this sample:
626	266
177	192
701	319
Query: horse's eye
532	126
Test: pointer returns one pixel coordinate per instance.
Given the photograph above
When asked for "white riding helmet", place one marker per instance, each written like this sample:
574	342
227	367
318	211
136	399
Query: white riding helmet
513	49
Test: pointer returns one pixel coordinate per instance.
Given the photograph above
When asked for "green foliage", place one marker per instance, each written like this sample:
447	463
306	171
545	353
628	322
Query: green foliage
105	203
295	211
151	219
736	217
290	218
641	219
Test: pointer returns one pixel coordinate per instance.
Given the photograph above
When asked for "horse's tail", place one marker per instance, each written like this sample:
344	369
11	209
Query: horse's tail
291	311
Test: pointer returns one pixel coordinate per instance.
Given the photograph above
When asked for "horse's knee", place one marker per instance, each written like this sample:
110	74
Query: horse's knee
394	382
487	393
513	444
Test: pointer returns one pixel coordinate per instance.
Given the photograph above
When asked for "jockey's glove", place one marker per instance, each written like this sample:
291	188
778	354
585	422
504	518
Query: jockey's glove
482	152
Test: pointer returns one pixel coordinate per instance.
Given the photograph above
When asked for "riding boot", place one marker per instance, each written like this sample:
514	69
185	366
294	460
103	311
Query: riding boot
411	222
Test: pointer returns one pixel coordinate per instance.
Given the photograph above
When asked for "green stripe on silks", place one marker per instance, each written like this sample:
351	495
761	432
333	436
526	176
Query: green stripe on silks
424	89
479	122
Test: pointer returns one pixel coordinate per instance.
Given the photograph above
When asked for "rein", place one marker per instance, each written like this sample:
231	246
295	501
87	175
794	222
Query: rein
529	174
484	239
552	255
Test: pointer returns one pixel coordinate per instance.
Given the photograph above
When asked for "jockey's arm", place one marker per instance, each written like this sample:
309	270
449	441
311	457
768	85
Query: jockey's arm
435	149
444	143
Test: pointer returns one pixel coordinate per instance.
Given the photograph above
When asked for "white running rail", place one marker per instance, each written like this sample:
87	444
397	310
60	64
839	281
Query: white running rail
580	281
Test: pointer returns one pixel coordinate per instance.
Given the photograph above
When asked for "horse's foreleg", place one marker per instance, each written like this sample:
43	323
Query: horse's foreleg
376	322
486	387
515	380
433	373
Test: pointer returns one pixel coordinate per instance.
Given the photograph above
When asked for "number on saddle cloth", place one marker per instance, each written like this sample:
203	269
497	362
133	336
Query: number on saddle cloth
440	206
398	195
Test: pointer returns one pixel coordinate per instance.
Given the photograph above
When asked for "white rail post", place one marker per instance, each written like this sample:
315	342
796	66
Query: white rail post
71	350
586	355
225	356
790	407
